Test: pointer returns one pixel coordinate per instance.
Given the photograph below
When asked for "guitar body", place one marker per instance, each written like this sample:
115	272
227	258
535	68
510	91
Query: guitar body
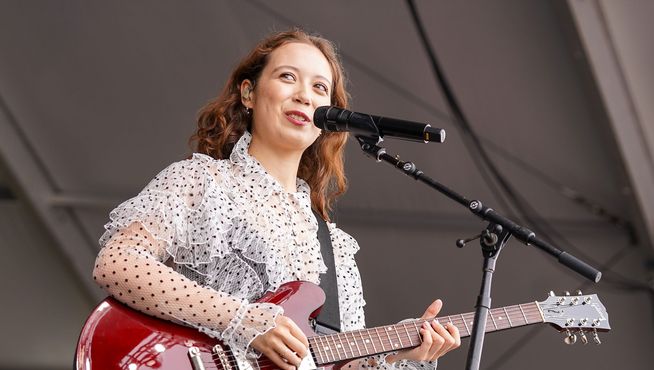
118	337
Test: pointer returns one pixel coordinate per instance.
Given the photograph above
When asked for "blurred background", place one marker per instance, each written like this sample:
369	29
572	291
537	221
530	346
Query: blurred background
96	97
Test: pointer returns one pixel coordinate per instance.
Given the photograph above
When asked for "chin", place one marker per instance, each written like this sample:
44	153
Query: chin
301	142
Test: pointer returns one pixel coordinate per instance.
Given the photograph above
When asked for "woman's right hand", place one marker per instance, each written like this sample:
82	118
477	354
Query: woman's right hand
285	344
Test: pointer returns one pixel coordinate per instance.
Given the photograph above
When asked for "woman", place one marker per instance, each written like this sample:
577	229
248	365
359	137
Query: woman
211	234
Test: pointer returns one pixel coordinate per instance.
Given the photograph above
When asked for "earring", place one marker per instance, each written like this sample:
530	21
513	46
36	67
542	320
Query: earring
248	111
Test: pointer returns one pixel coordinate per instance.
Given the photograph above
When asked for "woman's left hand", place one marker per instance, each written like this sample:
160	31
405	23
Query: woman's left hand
437	339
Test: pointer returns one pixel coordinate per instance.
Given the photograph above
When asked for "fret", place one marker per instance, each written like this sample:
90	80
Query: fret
500	320
464	323
381	343
515	317
399	338
523	314
490	313
372	341
336	346
508	317
365	341
340	339
415	325
316	347
325	346
329	349
317	350
349	344
408	335
390	340
541	317
449	319
354	340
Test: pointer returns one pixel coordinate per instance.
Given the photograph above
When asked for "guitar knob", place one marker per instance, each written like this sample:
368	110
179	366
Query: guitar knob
582	335
570	338
596	338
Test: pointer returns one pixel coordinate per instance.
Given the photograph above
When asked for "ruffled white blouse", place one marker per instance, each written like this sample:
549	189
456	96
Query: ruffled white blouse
206	238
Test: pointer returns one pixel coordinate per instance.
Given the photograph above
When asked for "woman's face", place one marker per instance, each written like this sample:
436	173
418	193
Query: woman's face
296	80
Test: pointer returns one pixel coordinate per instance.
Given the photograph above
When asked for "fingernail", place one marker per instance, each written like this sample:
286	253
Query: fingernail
425	325
436	321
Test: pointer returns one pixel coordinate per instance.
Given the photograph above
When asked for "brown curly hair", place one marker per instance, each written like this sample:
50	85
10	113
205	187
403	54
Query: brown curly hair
224	120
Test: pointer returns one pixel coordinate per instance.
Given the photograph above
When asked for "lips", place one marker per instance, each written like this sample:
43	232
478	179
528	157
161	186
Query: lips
298	118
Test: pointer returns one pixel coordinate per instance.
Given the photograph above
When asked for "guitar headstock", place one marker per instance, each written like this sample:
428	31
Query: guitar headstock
576	315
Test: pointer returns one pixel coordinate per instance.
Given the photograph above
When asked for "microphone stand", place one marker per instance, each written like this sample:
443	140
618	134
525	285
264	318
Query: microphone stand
492	240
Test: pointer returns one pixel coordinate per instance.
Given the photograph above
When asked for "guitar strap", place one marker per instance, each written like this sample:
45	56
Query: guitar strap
329	316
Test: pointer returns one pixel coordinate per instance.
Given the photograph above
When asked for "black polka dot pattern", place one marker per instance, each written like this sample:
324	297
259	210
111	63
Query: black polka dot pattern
378	362
206	237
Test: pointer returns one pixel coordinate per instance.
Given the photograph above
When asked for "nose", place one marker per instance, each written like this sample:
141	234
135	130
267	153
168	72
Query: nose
302	96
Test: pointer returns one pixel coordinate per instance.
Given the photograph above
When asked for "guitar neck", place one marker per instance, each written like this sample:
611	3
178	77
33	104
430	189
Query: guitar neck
366	342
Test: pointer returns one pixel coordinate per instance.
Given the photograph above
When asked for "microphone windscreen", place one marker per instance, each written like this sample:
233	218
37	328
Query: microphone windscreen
320	116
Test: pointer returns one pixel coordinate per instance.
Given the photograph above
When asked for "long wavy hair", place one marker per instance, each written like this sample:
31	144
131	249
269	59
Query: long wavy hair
224	120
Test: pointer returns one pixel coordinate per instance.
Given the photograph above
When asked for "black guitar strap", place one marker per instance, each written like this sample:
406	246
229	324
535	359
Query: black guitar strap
329	316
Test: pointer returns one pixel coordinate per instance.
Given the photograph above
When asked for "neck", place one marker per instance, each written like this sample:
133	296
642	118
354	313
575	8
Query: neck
365	342
280	164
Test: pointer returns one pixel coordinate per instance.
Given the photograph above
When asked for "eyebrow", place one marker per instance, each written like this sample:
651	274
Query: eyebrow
297	70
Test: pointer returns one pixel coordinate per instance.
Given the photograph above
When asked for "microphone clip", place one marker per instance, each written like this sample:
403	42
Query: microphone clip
370	146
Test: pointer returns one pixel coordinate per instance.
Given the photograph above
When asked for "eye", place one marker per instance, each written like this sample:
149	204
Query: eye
322	87
287	76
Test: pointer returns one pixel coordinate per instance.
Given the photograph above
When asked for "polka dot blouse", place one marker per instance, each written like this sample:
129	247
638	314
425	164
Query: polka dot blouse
206	238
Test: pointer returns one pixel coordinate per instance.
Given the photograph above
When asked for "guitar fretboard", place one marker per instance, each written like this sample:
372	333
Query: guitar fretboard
360	343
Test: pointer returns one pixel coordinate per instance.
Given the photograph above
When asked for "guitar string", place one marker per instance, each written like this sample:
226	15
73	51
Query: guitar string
349	355
335	358
530	310
384	343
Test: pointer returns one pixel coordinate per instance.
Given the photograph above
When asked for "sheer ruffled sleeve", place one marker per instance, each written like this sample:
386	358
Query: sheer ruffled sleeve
176	221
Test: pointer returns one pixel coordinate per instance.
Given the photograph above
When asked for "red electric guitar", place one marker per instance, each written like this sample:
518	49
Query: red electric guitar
117	337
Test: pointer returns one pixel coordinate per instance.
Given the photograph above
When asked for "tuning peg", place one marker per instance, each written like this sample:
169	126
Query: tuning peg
579	292
552	294
567	293
570	338
596	338
582	335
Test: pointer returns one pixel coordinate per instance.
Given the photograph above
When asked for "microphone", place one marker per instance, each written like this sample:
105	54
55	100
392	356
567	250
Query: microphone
339	120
